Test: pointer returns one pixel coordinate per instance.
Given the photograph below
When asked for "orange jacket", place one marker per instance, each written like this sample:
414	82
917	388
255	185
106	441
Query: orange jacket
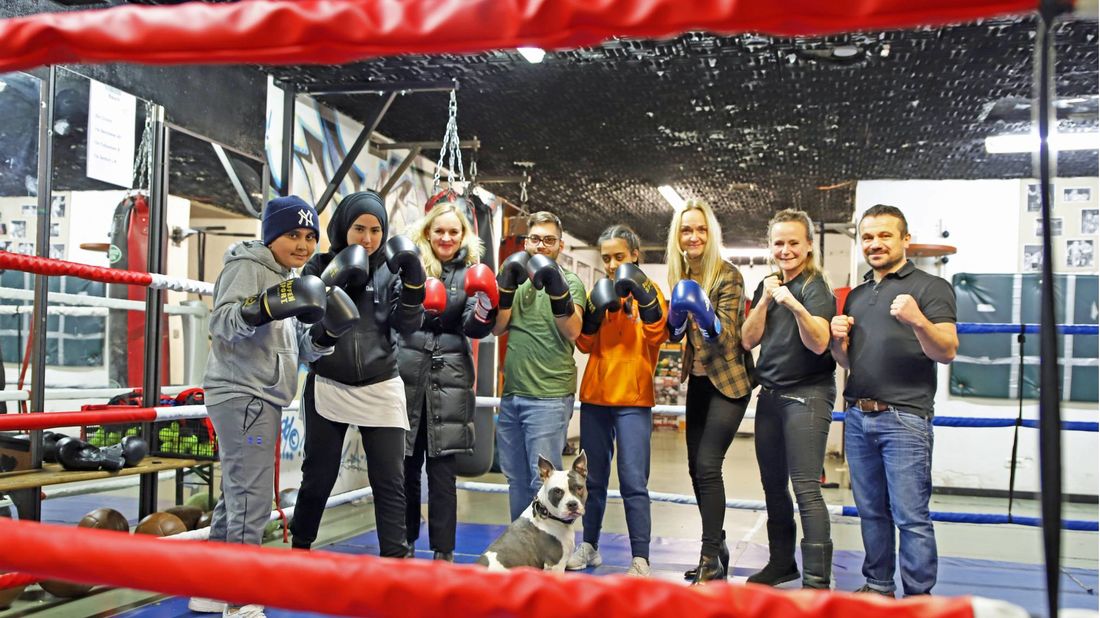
622	357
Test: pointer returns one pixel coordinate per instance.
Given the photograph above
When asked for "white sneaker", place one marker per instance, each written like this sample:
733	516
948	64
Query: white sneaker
585	556
639	567
205	606
248	611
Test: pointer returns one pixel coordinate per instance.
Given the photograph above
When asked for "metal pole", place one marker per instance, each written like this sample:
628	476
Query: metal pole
1050	422
289	98
31	508
154	299
353	153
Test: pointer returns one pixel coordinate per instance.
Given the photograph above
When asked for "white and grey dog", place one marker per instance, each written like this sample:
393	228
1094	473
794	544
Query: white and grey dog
542	537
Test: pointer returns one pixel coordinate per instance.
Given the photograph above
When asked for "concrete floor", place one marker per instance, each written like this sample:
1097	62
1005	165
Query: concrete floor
681	522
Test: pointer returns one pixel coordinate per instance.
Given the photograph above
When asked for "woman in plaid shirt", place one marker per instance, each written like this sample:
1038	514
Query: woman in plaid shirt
710	291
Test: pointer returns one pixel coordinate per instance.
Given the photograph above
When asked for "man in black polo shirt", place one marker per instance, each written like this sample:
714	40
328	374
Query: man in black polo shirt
895	327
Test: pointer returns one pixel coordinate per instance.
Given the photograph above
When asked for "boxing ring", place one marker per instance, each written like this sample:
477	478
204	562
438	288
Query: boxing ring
332	32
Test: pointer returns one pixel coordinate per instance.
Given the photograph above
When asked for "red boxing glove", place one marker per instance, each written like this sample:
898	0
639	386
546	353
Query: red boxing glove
435	296
481	281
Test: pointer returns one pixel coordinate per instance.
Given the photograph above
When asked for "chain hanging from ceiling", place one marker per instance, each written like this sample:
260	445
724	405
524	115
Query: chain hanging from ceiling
451	149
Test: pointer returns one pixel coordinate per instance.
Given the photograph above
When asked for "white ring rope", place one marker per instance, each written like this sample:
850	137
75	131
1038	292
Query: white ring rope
164	282
83	300
68	394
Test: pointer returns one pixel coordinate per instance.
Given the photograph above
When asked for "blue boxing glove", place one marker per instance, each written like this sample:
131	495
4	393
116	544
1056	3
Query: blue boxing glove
688	298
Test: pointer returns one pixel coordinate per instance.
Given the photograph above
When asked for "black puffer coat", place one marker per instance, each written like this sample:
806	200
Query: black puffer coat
437	368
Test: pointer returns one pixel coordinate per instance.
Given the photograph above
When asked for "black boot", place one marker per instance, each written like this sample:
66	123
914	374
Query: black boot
410	549
817	564
723	557
448	556
781	566
710	568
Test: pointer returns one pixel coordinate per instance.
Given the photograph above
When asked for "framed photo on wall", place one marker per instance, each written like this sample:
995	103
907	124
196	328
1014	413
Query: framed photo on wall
1055	226
1090	220
1033	258
1033	197
1081	253
1077	194
566	261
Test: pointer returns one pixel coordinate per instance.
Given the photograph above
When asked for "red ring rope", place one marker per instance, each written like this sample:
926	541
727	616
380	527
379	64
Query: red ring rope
53	268
347	585
47	420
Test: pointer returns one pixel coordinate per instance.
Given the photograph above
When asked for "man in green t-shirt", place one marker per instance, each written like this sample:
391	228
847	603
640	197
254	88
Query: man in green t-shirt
537	299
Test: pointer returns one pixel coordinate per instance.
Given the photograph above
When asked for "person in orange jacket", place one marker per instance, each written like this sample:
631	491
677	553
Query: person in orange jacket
622	332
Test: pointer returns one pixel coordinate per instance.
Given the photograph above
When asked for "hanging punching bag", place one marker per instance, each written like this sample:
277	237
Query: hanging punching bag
129	250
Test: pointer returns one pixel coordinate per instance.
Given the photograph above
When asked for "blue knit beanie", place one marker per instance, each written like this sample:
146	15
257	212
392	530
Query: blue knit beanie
284	214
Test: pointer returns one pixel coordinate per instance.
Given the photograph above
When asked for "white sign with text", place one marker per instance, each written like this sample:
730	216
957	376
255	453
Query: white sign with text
111	119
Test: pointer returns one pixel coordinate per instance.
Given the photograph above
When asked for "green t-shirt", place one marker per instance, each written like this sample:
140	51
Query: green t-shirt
540	362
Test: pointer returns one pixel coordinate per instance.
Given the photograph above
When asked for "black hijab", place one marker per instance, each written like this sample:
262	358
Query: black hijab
347	211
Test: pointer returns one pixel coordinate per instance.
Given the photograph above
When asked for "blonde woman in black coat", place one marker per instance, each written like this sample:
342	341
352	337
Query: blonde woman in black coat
437	367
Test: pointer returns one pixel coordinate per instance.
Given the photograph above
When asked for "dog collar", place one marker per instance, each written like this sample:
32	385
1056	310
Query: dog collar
541	511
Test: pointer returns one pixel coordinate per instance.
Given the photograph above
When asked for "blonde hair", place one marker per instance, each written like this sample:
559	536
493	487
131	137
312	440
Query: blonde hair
790	215
422	230
678	267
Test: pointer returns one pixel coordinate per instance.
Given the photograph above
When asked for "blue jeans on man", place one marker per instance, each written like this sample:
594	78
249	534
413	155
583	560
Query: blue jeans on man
526	428
601	428
890	461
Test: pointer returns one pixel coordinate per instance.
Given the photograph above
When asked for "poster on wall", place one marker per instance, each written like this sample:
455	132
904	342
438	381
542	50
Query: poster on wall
1079	253
1033	201
1090	220
1033	258
1055	227
112	115
1077	194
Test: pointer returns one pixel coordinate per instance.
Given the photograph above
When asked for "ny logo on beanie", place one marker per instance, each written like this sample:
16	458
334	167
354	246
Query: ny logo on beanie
284	214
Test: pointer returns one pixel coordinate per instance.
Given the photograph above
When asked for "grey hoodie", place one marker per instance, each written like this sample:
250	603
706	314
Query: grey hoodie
247	361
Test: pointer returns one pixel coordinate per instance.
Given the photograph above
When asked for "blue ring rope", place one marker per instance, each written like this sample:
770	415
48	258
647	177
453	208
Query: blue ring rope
1013	329
964	421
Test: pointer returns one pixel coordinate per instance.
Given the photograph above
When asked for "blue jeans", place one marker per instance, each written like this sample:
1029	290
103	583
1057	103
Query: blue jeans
526	428
601	428
890	460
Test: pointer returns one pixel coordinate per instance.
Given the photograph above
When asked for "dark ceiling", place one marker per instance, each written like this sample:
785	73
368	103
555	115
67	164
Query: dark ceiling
749	123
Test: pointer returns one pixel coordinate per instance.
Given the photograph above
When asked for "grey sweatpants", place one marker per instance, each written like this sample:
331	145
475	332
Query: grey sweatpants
247	428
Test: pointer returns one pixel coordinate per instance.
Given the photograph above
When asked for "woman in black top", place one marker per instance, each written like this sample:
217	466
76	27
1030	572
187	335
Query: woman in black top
358	384
790	317
437	367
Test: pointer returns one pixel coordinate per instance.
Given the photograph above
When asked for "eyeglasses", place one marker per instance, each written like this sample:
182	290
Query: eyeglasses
549	241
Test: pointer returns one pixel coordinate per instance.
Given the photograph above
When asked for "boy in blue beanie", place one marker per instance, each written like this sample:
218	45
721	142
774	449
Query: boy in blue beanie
252	372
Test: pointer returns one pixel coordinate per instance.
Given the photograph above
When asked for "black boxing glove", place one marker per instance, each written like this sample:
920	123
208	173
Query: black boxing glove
631	281
403	259
130	451
341	315
513	272
349	269
601	299
546	275
303	298
74	454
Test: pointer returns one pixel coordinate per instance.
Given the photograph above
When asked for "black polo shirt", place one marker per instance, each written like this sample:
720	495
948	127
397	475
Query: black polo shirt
784	360
884	355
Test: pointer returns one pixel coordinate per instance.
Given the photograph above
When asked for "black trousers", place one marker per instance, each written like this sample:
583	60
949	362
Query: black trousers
792	426
712	421
385	451
442	499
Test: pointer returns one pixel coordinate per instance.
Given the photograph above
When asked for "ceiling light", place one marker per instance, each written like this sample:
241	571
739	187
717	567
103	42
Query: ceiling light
534	55
845	51
999	144
671	196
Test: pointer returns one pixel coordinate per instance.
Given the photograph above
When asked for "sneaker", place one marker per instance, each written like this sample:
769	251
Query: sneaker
205	606
868	588
639	567
585	556
248	611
